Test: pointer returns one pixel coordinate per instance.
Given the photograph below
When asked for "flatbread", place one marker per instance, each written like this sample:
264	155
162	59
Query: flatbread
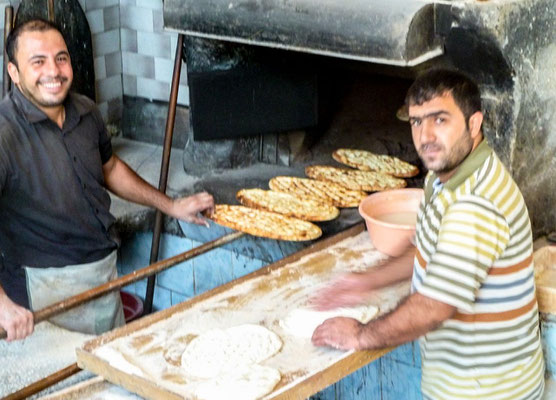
221	351
287	204
328	192
246	382
302	322
264	223
354	179
367	161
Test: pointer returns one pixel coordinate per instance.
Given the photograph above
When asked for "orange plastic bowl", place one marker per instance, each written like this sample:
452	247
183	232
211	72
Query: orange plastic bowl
391	216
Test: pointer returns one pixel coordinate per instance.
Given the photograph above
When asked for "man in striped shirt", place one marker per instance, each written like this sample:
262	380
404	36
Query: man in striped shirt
473	294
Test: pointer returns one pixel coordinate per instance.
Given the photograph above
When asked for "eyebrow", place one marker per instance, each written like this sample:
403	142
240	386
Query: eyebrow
62	52
432	114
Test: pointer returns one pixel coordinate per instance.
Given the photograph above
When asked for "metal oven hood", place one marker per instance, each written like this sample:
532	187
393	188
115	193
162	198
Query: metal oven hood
393	32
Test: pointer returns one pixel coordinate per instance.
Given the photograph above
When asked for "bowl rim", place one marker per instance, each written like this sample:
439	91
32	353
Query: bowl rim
388	224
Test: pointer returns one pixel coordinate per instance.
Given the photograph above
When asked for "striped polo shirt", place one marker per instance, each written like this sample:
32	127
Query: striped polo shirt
474	252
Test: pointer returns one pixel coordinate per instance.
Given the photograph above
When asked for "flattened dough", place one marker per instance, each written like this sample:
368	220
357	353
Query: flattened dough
302	322
248	382
222	350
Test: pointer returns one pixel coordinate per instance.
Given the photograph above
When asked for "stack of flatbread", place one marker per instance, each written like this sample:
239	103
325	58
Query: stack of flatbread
284	211
370	172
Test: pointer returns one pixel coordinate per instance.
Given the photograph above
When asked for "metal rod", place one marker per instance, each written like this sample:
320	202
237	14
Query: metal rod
91	294
8	26
167	149
44	383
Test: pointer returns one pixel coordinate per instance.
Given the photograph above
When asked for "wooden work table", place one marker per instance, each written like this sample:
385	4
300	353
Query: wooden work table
263	297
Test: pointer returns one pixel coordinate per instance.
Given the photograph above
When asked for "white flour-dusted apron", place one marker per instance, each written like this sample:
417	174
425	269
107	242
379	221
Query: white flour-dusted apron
46	286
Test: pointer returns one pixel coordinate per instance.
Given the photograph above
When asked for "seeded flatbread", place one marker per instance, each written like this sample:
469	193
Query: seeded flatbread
287	204
264	223
369	181
328	192
367	161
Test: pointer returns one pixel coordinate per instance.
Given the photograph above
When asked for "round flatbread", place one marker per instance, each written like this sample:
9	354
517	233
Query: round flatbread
222	350
302	322
328	192
354	179
287	204
264	223
367	161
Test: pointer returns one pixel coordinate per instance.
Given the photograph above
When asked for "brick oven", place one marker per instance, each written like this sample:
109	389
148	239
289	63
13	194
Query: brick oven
281	82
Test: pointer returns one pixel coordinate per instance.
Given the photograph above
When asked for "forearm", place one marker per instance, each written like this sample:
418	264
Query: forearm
393	270
413	318
121	180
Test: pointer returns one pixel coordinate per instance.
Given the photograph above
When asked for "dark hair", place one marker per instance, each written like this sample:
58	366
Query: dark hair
437	82
34	25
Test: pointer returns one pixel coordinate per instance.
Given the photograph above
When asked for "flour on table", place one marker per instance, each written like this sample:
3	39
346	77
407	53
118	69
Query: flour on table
247	382
303	321
221	350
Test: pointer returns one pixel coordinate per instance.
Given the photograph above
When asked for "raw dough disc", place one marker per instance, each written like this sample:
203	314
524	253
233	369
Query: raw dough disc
248	382
302	322
222	350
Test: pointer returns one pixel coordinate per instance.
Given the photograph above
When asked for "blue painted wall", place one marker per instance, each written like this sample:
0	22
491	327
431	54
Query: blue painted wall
395	376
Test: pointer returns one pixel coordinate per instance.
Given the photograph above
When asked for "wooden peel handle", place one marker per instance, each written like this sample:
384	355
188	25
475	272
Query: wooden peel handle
91	294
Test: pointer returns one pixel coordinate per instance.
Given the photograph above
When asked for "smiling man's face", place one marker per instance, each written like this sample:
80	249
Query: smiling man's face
440	134
43	72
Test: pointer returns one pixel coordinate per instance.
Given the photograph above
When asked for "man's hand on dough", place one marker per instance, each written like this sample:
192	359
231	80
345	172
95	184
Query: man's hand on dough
339	333
17	321
346	291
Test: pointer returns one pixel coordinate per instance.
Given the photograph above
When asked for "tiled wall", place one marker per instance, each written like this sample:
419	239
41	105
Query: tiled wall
186	279
133	56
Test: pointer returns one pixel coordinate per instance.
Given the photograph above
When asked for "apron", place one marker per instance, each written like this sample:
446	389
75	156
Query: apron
46	286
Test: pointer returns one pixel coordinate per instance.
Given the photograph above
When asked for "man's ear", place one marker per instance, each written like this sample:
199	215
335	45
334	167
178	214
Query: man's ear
475	122
14	72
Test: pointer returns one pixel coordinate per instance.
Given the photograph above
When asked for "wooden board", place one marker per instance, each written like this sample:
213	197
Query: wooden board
264	297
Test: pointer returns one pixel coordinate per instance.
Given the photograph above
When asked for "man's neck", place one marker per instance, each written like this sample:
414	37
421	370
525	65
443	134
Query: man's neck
56	114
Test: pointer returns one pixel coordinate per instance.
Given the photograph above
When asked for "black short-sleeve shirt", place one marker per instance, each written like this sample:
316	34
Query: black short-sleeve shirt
54	209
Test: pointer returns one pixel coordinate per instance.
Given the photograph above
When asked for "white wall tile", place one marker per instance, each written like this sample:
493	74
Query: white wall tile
138	65
154	44
113	63
153	4
96	20
129	40
129	85
100	68
153	90
112	3
106	42
183	95
124	3
93	4
109	88
158	21
111	18
163	69
139	19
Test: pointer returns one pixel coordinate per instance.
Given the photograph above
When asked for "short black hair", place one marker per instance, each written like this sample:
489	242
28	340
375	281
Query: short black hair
437	82
33	25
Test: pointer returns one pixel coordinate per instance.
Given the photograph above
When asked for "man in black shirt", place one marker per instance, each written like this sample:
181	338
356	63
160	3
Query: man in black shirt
56	162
